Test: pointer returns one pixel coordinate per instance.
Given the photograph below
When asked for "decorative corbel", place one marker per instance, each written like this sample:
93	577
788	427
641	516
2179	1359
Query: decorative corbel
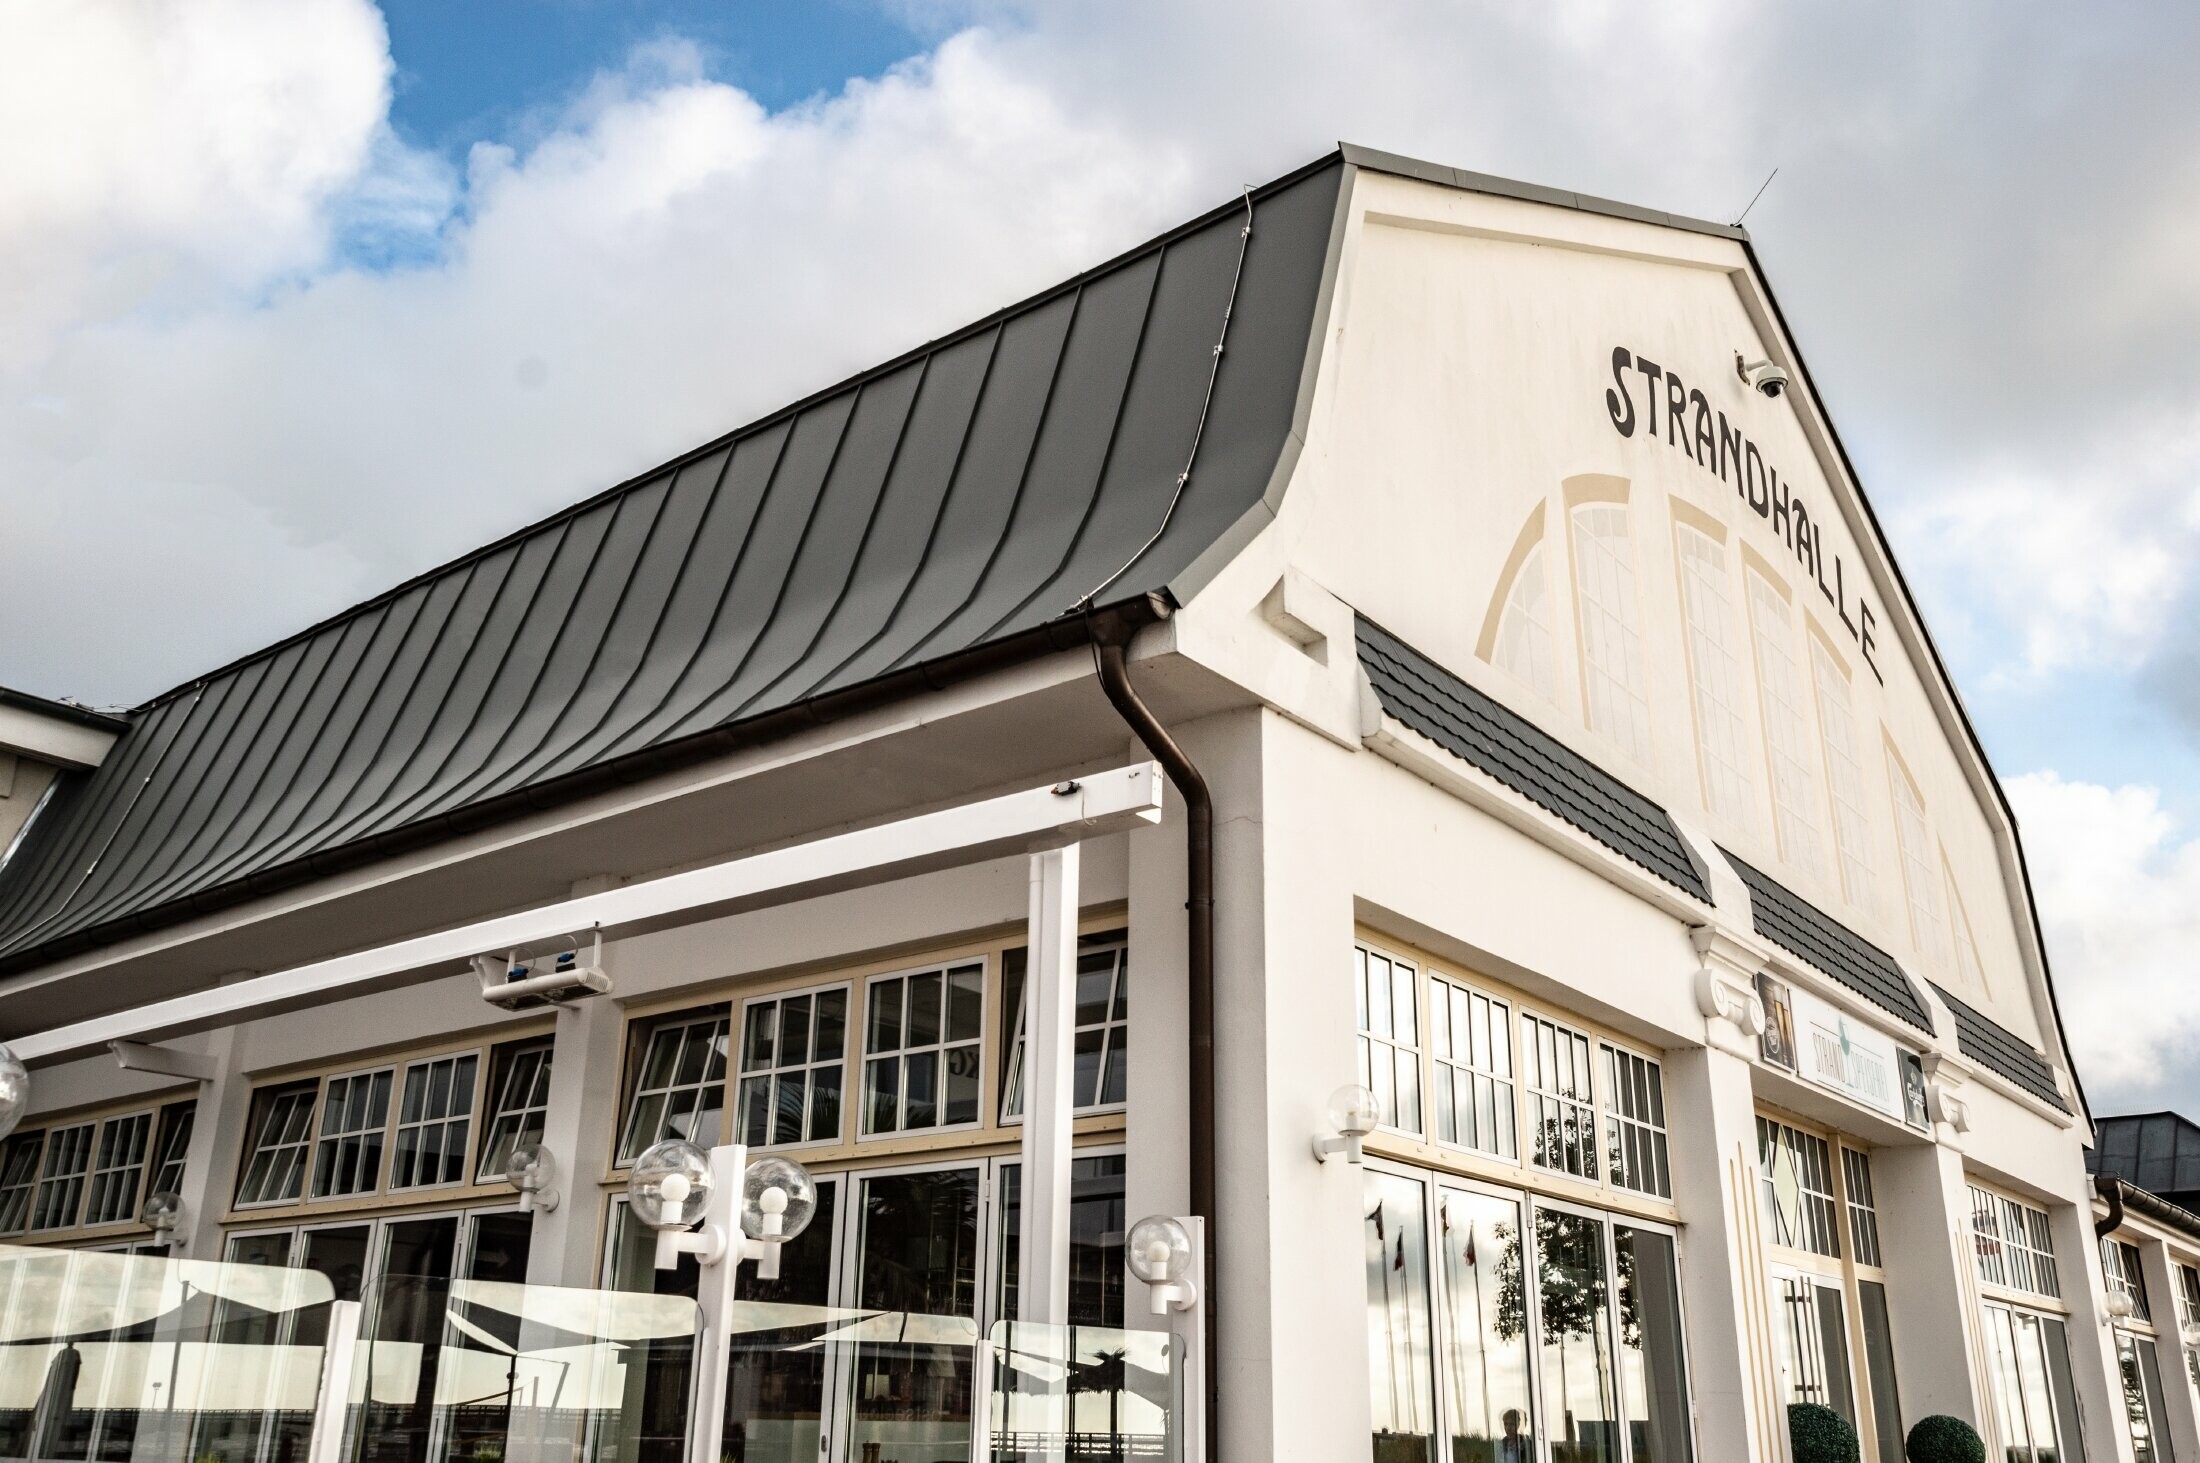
1944	1100
1726	990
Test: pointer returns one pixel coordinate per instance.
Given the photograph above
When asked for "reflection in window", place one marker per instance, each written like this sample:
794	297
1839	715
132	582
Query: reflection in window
1574	1325
1852	826
2120	1268
1390	1036
1878	1338
1798	798
1524	627
1653	1370
1485	1340
117	1167
1919	876
1797	1171
61	1180
792	1048
2141	1373
1470	1035
1097	1224
2014	1244
921	1034
354	1114
1634	1121
1102	1043
1611	636
274	1172
917	1258
680	1084
1562	1120
1401	1373
1715	674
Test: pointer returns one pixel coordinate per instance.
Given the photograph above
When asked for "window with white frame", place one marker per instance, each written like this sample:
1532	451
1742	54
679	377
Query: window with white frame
172	1147
1102	1015
1715	673
118	1165
355	1116
18	1173
922	1034
519	1104
1852	824
61	1178
1798	796
1634	1123
1615	678
1920	872
435	1119
1524	640
2014	1244
1856	1171
2120	1268
1557	1068
1470	1038
1387	994
1796	1169
679	1083
2188	1314
274	1169
794	1048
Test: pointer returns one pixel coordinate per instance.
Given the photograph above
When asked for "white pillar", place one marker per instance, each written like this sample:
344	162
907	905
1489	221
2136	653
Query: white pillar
2093	1365
1050	1029
1924	1208
577	1129
216	1147
2179	1416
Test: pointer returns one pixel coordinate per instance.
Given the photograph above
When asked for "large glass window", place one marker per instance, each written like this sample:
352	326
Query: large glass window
1812	1332
2140	1370
917	1262
679	1084
1400	1359
1634	1123
435	1118
1555	1064
1524	640
1102	1016
1878	1337
1388	996
921	1049
1852	825
1574	1327
1097	1223
2014	1244
1798	796
61	1178
282	1126
355	1115
117	1168
1615	679
1470	1037
18	1173
1796	1169
1715	674
519	1104
793	1051
1485	1338
1653	1369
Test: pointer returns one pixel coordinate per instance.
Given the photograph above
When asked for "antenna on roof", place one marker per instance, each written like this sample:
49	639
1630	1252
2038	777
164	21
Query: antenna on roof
1761	187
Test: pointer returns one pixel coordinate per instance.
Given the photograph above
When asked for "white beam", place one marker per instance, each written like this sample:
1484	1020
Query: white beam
1050	1029
1023	822
162	1061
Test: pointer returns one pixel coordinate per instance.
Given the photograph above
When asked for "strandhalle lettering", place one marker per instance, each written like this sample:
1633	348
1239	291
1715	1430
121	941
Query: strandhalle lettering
1689	426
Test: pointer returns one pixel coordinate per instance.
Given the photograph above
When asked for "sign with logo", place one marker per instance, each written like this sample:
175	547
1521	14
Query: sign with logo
1837	1051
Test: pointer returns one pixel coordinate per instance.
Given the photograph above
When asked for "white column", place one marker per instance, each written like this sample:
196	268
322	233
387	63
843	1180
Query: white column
577	1129
2162	1302
216	1147
2093	1364
1050	995
1924	1207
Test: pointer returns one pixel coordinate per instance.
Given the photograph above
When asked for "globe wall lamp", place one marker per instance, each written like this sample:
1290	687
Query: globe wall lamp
530	1169
15	1089
162	1213
681	1192
1353	1114
1160	1252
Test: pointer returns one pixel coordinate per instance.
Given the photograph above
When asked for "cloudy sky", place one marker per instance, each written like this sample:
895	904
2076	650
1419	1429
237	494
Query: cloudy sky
299	297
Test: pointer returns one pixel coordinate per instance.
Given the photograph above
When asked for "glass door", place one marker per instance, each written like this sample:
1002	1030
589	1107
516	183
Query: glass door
777	1399
1483	1333
1814	1341
1574	1331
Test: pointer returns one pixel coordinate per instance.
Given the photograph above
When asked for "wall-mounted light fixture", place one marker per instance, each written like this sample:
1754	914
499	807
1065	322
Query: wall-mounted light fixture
674	1186
1160	1252
1353	1114
530	1169
162	1213
15	1089
2120	1307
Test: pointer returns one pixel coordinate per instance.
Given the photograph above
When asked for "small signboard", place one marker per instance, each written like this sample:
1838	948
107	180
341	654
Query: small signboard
1837	1051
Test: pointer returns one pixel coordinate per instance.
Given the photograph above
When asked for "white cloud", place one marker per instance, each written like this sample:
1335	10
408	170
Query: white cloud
2118	884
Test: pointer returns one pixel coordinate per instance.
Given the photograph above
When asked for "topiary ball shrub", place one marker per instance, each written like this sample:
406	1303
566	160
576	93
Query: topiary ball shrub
1944	1439
1821	1435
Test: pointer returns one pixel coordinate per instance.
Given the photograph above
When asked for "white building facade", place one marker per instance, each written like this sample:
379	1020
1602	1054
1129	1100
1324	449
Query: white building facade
1547	735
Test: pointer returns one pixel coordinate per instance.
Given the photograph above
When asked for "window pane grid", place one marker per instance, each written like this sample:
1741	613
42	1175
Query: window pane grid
793	1051
679	1088
1555	1065
1856	1169
18	1172
354	1117
1634	1116
1845	773
1470	1037
2120	1267
275	1171
1715	673
177	1122
61	1181
519	1105
921	1046
118	1167
434	1121
2014	1244
1797	1171
1388	997
1619	703
1102	1042
1797	795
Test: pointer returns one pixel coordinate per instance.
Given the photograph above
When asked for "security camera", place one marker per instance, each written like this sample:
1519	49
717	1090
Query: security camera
1765	376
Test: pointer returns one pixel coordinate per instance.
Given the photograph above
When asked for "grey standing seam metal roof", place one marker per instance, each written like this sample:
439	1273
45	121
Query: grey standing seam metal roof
2156	1151
1801	928
961	496
2000	1050
1512	749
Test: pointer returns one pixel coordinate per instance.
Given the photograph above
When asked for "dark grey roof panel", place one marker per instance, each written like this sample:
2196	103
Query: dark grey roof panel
1531	762
962	497
2000	1050
1801	928
2159	1151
